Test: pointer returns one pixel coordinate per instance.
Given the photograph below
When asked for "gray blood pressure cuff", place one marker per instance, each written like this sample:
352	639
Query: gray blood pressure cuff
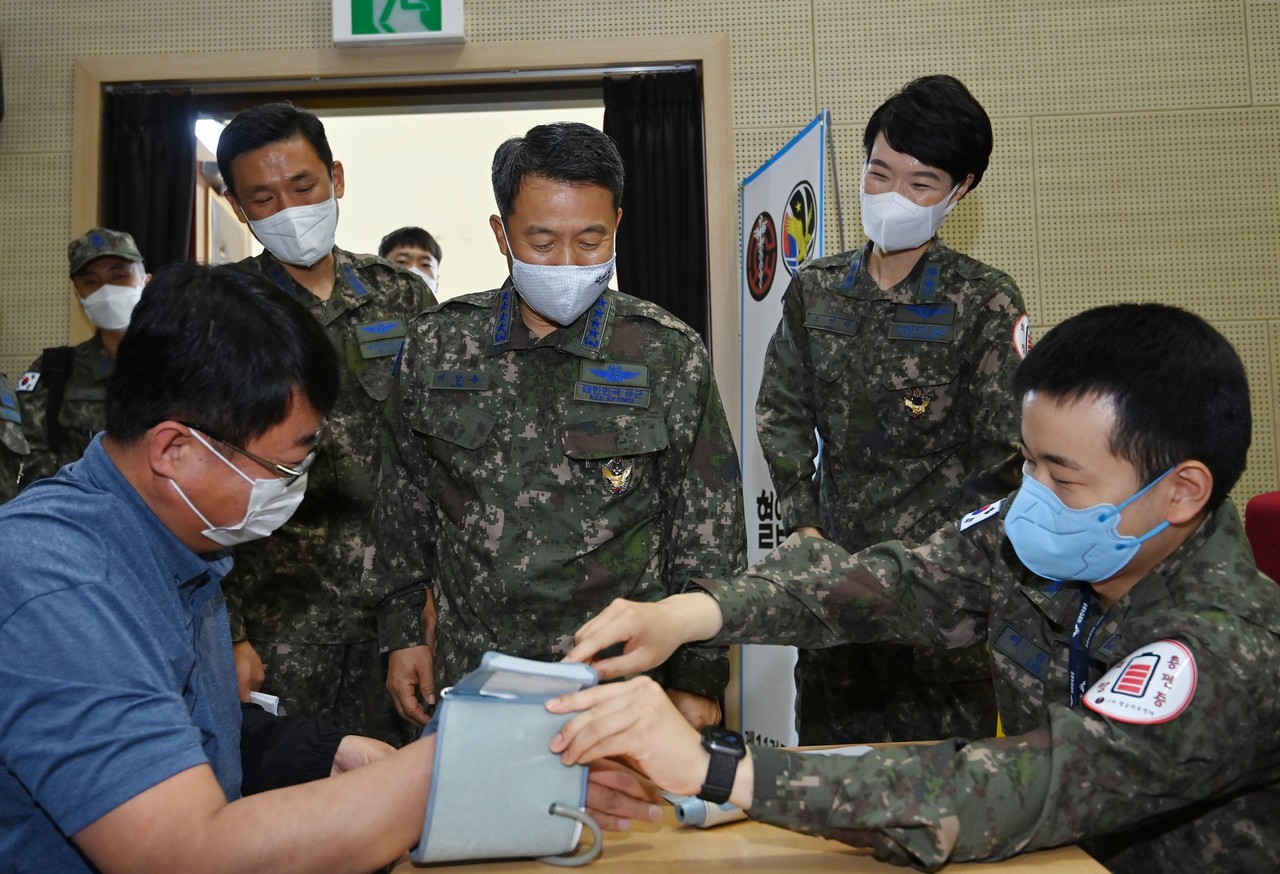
497	790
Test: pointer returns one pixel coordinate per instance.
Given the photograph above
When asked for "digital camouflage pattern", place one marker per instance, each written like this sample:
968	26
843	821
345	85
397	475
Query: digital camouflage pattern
100	243
83	412
13	443
909	389
302	585
542	479
1197	792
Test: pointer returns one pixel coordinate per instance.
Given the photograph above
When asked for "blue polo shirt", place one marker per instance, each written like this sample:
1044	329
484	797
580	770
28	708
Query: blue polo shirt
116	670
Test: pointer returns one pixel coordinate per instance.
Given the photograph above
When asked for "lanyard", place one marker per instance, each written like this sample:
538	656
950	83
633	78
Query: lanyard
1079	664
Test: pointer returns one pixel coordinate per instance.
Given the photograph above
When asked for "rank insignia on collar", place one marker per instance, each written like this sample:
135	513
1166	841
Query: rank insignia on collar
617	474
916	403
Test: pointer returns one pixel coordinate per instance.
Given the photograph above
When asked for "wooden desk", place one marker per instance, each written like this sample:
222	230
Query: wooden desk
666	848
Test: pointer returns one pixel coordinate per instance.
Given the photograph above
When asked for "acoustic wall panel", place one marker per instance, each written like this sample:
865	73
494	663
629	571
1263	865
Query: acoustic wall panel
771	52
33	249
1264	56
1254	341
1038	57
1177	207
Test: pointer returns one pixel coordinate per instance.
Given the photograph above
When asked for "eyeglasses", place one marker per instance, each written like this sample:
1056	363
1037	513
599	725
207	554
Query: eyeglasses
288	474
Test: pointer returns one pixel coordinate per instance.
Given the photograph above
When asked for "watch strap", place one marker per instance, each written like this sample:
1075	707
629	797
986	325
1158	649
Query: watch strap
720	776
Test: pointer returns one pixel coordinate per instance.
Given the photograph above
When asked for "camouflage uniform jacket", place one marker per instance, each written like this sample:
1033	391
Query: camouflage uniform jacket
908	387
544	478
83	413
303	583
13	443
1194	792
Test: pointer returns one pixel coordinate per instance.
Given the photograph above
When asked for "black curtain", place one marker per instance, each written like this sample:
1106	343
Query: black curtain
656	120
149	172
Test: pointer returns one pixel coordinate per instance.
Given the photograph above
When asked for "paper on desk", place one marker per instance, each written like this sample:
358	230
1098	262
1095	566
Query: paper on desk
269	703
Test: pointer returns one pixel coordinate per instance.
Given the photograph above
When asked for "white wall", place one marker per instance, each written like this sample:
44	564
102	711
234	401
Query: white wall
431	169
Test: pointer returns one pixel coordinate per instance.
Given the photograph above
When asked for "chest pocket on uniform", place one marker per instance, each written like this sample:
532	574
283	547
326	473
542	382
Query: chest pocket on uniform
920	402
443	417
833	334
616	454
372	353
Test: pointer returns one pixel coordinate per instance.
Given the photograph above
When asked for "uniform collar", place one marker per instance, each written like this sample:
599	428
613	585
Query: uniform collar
348	294
588	336
919	286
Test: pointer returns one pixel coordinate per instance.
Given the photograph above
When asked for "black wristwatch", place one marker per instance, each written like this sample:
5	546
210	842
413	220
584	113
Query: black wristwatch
727	749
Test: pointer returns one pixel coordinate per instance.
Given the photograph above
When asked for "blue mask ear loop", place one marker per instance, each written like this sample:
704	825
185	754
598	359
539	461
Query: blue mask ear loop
1118	510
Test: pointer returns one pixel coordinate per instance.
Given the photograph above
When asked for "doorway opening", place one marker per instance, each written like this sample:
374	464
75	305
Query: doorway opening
425	166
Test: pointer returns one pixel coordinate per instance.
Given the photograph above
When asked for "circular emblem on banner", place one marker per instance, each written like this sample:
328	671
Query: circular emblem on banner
762	256
1154	684
799	226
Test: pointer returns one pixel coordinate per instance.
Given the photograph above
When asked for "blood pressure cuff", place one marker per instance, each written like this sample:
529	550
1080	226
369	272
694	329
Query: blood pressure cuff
497	790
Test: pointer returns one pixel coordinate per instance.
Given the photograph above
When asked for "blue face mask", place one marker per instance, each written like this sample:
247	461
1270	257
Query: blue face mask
1059	543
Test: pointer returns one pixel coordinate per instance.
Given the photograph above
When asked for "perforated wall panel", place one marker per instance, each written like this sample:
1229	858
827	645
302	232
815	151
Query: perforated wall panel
33	250
1177	207
1254	344
771	53
1264	57
1037	57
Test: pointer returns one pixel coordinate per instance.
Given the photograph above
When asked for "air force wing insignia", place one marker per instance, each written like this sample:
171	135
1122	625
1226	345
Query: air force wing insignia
614	373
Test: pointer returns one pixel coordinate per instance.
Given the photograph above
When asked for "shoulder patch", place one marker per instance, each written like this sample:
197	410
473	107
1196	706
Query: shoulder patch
1022	335
1153	685
971	519
29	381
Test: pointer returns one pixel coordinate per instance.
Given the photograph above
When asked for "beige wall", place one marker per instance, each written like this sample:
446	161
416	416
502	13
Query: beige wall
1136	149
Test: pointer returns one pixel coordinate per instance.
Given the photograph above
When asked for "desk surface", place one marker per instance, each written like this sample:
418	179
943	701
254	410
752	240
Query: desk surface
753	846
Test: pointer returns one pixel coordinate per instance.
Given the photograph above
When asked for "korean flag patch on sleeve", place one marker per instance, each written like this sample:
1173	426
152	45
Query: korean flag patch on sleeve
29	381
1154	684
971	519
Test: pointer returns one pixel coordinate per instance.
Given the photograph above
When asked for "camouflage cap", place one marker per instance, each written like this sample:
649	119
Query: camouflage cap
99	243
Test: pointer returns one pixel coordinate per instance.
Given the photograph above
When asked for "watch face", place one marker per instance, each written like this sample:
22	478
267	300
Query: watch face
722	740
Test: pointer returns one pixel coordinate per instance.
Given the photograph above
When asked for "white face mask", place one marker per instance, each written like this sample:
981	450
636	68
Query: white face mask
431	281
271	502
111	306
895	223
561	292
299	235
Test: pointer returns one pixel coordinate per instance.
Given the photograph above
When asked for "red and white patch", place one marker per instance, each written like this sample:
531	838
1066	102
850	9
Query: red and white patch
1022	335
1154	684
29	381
971	519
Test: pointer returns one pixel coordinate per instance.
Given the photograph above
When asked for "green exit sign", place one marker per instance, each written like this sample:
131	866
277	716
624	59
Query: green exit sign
388	22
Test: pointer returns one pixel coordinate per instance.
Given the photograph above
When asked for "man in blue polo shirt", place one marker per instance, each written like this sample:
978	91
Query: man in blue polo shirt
121	741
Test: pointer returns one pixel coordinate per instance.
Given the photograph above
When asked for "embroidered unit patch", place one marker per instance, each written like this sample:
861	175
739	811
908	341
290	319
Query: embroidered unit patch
1151	686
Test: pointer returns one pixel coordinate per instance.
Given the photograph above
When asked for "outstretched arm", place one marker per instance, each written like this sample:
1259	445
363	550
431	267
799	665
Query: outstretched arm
649	632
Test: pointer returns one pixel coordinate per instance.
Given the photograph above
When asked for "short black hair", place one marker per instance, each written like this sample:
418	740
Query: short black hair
412	236
1179	387
219	346
935	120
265	125
566	151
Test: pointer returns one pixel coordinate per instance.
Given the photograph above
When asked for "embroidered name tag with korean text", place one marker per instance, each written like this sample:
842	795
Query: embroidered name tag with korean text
934	323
